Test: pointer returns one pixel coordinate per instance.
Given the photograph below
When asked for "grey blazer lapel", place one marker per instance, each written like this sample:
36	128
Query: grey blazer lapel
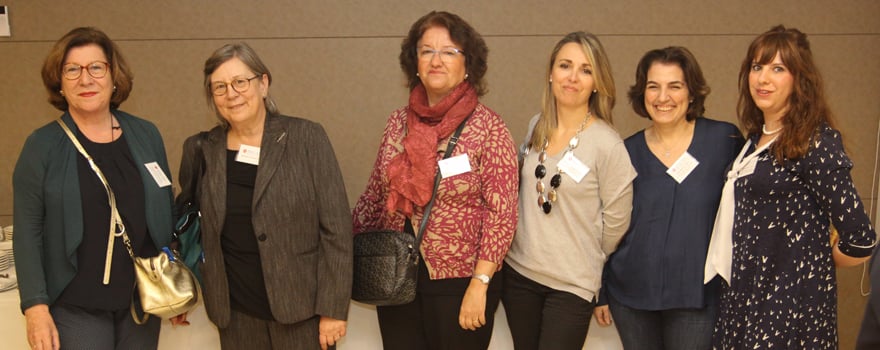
213	201
272	151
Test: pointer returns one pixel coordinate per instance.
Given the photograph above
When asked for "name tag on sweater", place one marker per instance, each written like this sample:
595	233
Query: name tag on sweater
573	167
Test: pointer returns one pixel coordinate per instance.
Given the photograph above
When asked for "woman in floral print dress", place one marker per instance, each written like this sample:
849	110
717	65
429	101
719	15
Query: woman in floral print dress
791	183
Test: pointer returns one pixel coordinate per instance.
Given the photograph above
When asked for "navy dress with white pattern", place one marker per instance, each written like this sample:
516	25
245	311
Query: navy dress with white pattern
783	288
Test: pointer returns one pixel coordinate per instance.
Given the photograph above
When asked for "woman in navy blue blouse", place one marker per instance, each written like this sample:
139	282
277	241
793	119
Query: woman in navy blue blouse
653	283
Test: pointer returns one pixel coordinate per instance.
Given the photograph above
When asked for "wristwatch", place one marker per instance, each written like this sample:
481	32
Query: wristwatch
483	278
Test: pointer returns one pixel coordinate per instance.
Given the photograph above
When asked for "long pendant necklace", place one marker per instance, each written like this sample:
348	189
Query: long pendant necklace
544	201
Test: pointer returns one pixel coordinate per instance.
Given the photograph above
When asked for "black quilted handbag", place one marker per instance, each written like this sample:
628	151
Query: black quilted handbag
386	262
385	267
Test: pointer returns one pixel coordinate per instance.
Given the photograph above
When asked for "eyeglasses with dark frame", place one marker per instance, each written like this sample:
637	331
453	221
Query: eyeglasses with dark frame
73	71
447	54
240	85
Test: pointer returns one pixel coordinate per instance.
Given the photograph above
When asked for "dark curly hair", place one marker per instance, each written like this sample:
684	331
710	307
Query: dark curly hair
475	50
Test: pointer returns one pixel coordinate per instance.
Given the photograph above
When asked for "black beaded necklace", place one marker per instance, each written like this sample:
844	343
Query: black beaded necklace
544	201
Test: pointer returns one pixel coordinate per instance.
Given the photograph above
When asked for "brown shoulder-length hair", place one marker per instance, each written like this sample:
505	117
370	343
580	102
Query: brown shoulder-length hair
807	106
476	53
600	103
78	37
693	77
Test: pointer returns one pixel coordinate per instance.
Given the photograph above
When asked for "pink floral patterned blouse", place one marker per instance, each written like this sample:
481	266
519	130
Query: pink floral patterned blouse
475	213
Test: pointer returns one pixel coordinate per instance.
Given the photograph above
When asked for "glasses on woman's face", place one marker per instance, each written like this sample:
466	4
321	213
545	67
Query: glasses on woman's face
73	71
447	54
240	85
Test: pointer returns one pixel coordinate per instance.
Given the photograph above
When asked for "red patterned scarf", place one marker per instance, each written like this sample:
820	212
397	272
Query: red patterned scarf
411	173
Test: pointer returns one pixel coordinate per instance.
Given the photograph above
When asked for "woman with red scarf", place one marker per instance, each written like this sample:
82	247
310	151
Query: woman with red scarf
474	215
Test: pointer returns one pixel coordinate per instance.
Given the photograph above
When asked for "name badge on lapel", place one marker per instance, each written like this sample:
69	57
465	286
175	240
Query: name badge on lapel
158	175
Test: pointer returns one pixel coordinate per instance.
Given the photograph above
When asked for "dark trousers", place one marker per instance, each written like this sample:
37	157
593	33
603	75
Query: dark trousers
673	329
430	322
246	332
540	317
87	329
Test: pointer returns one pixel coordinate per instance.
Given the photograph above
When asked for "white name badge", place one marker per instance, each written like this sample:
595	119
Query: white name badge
683	167
248	154
158	175
452	166
573	167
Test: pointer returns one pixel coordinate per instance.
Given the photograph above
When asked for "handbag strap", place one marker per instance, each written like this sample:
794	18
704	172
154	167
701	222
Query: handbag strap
190	189
117	227
453	140
187	200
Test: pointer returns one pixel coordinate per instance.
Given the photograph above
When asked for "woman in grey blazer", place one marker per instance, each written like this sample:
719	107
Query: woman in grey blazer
275	218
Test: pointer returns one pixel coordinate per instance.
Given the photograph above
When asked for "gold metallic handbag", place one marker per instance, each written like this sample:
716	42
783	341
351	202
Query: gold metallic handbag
166	287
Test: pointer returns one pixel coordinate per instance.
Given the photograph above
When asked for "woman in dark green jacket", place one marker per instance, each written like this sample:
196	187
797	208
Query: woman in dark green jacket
71	294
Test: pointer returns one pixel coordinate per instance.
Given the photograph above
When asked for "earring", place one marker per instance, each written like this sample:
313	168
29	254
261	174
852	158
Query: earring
595	91
114	87
417	73
551	80
466	76
691	101
61	92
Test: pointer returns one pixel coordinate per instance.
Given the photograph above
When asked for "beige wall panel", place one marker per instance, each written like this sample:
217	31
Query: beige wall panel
850	69
23	108
350	86
314	18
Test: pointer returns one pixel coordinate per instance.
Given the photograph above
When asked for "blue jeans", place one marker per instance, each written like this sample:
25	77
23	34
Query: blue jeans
673	329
